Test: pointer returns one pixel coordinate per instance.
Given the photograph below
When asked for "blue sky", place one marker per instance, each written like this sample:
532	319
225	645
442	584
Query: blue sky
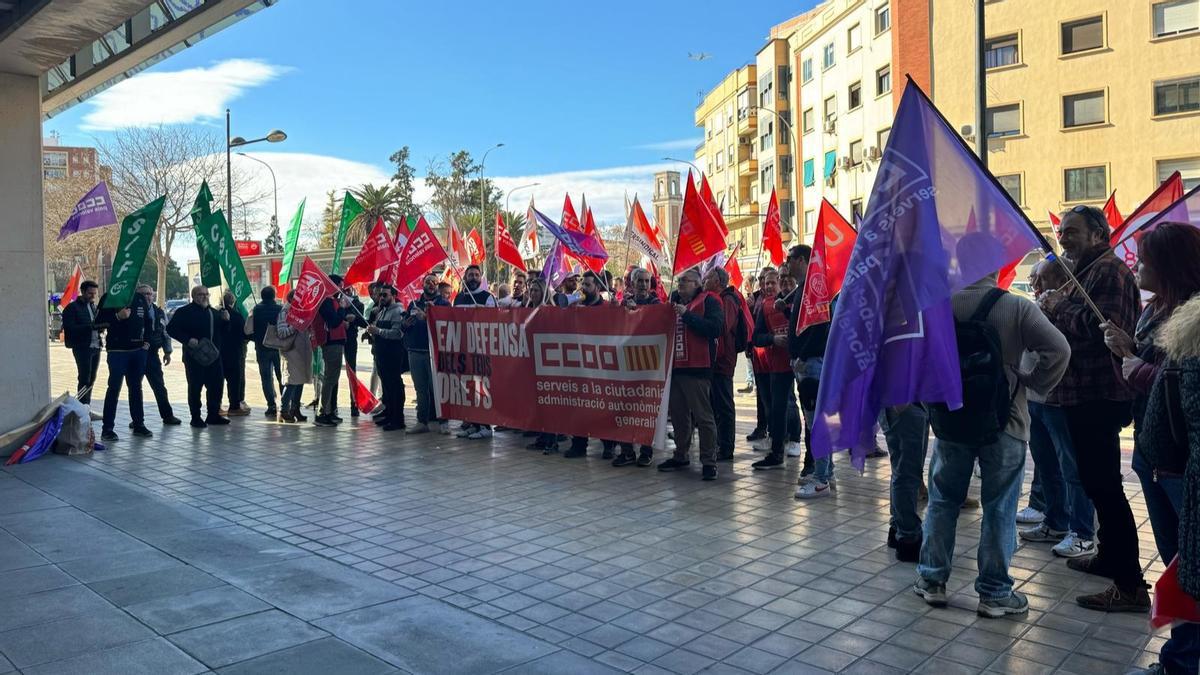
587	94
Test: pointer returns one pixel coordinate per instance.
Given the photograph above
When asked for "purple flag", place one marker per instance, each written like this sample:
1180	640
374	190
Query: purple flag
577	243
1185	210
557	267
892	338
94	210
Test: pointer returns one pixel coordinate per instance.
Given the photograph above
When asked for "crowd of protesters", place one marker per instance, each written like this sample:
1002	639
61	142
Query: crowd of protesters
1071	383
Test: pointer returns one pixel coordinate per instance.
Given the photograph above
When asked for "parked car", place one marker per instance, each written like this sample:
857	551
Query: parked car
173	305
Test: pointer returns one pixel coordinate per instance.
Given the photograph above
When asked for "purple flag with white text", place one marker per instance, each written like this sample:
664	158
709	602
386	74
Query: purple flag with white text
93	210
892	338
577	244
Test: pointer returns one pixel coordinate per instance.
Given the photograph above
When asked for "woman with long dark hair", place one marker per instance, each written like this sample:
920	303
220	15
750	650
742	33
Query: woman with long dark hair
1169	267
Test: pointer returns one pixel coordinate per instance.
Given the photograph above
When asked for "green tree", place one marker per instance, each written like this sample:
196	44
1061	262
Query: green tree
274	242
176	281
331	216
378	201
457	191
403	180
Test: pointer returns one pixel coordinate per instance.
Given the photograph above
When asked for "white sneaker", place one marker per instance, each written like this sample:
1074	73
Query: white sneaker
795	449
761	445
466	431
1072	546
444	428
1042	533
814	490
480	433
1030	516
417	429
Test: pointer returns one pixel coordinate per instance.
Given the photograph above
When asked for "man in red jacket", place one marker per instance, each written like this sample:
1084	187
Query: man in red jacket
733	339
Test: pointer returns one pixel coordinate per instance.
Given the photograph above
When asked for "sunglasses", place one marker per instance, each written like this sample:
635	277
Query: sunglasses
1092	214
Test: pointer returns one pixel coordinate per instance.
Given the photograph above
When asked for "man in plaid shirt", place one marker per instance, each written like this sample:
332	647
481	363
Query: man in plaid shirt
1096	402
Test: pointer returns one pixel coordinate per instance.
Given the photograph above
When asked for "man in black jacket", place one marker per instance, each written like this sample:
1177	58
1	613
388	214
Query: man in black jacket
416	342
264	314
154	363
334	314
355	320
189	325
640	292
473	295
589	297
129	331
82	336
387	334
233	355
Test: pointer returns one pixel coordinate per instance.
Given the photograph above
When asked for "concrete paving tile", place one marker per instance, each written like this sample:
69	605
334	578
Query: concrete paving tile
311	588
164	519
179	579
327	656
34	580
559	663
225	550
243	638
416	633
148	657
68	534
198	608
16	555
99	629
101	567
17	496
37	608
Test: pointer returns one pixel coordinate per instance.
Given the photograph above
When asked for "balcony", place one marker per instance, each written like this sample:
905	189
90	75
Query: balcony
748	167
747	122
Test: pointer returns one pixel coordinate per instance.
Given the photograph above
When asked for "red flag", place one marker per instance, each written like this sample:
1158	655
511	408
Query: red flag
459	255
376	252
710	199
474	246
659	290
569	220
1123	240
833	242
420	254
364	400
506	248
72	288
411	292
1111	214
1008	274
529	247
450	276
311	290
1055	221
734	268
772	238
699	235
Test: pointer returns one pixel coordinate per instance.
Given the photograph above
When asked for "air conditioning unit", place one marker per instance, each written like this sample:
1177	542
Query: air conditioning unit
830	126
873	153
847	163
967	132
745	140
829	181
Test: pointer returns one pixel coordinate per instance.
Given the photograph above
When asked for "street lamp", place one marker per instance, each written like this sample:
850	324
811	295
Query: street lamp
245	221
683	161
519	187
274	136
482	200
274	185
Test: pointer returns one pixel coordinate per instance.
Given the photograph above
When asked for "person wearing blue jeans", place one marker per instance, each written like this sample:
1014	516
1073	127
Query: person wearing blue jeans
1069	515
906	429
820	483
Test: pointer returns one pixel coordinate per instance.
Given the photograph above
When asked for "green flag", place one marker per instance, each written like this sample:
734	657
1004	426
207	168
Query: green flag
210	270
289	246
350	210
137	232
218	238
411	222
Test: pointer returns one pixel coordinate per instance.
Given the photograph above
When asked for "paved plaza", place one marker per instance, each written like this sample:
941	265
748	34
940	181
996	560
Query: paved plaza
263	547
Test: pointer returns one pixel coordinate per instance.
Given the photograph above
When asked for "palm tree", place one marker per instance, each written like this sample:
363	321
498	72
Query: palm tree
378	201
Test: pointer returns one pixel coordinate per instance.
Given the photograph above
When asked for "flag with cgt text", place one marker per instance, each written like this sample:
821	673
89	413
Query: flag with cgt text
137	232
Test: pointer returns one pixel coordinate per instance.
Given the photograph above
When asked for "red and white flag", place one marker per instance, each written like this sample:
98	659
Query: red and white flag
506	249
711	200
589	228
1124	240
1111	213
772	237
833	242
474	245
570	221
377	251
421	253
72	290
529	247
643	236
312	288
1055	221
700	236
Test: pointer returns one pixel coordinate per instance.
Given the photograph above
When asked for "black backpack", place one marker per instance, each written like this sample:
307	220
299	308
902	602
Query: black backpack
987	402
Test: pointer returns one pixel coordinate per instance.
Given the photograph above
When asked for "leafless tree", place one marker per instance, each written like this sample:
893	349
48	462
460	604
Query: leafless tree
59	197
173	161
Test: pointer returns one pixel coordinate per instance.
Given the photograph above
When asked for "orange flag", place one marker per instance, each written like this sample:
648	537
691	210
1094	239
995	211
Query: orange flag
833	242
700	236
72	288
772	238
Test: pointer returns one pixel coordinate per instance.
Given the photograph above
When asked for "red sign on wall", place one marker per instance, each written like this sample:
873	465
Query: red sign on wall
245	247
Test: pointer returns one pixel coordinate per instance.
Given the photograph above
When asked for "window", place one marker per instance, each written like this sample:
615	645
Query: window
1004	120
855	95
827	59
786	168
853	39
830	164
730	156
856	152
1002	51
856	211
882	138
767	138
1188	168
720	161
729	114
809	119
810	220
1012	185
883	80
1083	35
1089	183
810	173
806	70
744	100
1177	96
883	18
766	177
1175	17
830	109
1083	109
765	84
784	77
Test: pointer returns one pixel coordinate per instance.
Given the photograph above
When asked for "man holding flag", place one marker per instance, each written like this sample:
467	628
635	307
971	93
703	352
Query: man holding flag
197	326
388	335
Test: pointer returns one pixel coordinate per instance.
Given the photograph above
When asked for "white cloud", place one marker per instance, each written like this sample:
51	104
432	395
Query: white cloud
679	144
302	176
176	97
606	189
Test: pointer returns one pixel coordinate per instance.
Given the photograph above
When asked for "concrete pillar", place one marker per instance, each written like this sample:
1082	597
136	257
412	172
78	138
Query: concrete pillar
25	362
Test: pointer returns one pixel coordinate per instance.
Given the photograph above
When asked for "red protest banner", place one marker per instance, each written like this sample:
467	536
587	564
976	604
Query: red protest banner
600	371
312	288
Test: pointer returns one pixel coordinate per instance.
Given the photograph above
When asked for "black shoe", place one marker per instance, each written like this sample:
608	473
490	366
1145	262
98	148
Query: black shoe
392	427
380	421
300	417
142	432
335	419
908	550
550	449
217	420
530	434
674	464
354	412
645	458
607	454
172	421
807	470
575	453
198	423
1090	565
324	421
757	434
109	436
625	459
287	417
708	473
746	390
771	461
725	456
270	412
891	538
536	445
